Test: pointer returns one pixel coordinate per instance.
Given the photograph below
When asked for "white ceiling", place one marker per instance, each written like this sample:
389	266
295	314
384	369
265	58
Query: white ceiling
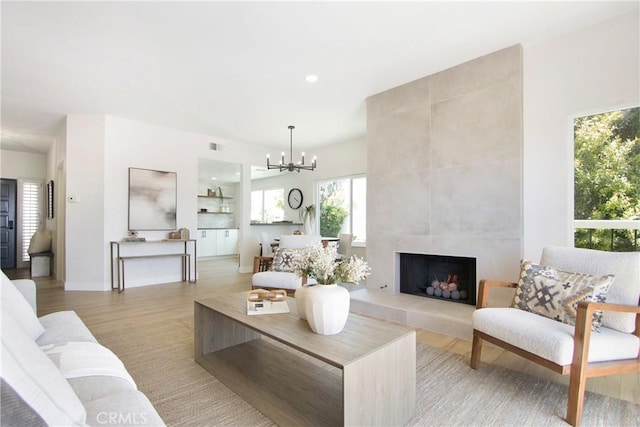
236	70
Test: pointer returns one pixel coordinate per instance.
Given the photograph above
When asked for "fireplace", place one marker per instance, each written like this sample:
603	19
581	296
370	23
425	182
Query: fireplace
449	278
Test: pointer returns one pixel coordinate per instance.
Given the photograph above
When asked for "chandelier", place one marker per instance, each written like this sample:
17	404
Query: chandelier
292	166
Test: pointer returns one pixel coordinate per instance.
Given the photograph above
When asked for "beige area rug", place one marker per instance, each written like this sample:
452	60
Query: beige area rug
159	356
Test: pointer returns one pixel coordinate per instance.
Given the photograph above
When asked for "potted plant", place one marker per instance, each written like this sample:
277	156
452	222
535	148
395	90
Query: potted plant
325	306
308	218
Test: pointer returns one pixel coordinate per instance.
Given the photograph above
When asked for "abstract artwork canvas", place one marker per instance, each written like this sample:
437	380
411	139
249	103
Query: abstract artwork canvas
152	199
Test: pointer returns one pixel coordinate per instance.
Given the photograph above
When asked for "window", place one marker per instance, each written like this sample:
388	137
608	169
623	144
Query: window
343	207
31	213
267	205
607	180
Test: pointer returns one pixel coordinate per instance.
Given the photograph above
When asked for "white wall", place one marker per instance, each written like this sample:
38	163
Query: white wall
593	70
85	248
17	164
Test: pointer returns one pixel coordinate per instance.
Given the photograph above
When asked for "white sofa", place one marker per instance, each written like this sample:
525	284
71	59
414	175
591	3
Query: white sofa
54	372
268	274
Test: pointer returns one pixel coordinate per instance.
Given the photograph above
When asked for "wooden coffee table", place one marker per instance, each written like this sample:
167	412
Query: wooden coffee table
374	383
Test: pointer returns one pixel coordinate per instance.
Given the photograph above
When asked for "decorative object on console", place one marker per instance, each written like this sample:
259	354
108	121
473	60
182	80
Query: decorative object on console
292	166
133	237
326	305
184	233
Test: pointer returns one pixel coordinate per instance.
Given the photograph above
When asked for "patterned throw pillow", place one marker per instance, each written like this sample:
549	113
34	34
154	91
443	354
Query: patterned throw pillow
555	294
283	258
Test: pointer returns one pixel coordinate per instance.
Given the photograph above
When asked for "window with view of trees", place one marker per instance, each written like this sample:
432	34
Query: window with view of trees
343	207
607	176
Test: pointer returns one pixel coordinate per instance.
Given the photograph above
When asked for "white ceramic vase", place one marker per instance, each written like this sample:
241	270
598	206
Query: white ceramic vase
300	296
327	308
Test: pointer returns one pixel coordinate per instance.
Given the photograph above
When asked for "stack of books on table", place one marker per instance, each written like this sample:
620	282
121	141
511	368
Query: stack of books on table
261	301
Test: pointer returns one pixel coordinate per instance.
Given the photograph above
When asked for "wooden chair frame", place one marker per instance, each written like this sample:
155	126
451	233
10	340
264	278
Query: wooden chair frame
580	369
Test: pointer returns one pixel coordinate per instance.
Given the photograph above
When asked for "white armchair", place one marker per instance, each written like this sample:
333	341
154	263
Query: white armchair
566	349
272	272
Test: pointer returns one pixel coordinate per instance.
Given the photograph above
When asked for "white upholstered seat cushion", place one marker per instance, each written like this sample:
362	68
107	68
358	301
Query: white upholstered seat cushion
278	279
550	339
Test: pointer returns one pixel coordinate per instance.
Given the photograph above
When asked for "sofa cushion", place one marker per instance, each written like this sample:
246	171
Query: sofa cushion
15	305
549	339
126	408
30	373
555	294
85	359
63	326
97	387
624	265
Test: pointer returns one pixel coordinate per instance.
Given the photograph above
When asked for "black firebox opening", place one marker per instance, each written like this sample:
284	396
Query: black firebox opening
442	277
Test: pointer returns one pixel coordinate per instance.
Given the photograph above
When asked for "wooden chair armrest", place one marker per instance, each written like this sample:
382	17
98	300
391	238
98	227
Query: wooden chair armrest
582	332
587	308
485	287
262	263
604	306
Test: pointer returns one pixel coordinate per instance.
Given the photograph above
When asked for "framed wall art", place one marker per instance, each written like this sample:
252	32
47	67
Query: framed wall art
152	199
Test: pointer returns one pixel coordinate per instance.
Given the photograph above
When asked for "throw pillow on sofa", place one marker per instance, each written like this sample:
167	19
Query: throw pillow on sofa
16	306
555	294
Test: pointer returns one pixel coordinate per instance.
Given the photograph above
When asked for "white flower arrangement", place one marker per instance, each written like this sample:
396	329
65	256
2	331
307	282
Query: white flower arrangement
322	264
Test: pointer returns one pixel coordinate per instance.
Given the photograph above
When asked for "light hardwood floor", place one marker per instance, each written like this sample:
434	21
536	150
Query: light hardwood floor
107	311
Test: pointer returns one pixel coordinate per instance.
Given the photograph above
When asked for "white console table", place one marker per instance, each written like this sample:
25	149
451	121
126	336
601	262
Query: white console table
118	259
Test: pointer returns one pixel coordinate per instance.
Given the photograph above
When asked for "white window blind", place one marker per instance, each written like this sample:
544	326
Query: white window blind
31	206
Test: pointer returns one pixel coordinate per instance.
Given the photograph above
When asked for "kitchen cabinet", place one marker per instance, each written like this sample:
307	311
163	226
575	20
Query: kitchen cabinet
217	242
207	243
227	242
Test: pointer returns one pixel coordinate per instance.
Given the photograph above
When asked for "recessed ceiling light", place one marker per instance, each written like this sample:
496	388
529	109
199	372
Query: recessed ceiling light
311	78
213	178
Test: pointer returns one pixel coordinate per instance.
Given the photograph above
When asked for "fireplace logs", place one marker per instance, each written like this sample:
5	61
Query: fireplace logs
449	288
